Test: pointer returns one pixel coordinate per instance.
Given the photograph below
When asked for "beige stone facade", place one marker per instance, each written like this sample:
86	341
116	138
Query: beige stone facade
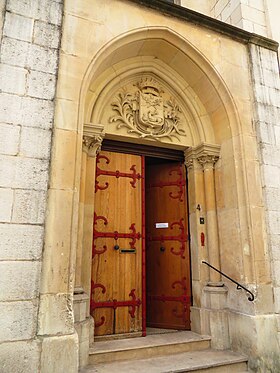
222	85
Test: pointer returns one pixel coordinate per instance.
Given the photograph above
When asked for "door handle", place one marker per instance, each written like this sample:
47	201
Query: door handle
162	249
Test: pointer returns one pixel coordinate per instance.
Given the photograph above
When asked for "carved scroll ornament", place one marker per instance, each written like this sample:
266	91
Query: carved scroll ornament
146	113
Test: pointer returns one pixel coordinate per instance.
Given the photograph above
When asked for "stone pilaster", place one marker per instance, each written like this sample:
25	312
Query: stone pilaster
92	140
209	315
207	160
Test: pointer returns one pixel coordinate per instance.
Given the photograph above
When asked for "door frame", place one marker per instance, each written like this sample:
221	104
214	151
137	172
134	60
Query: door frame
153	152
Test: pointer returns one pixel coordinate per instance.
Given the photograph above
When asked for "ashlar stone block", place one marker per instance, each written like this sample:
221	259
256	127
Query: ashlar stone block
12	79
37	113
277	299
18	27
25	173
41	85
18	320
35	143
46	35
56	314
19	280
42	59
29	206
60	354
9	139
23	357
6	204
14	52
7	115
21	242
46	10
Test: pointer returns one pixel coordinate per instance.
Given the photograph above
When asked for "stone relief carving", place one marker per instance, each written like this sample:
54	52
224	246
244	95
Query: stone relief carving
147	113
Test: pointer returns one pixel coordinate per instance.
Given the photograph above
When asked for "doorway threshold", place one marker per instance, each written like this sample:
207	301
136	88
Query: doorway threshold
152	331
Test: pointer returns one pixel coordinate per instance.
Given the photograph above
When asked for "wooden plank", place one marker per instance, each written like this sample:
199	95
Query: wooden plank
120	204
166	204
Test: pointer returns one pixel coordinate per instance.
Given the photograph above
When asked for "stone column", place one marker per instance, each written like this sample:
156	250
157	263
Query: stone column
209	315
207	158
196	203
92	139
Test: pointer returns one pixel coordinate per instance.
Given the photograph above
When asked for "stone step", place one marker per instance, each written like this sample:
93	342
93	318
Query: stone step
146	347
192	361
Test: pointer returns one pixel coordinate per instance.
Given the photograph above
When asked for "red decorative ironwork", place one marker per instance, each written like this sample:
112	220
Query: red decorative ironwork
132	175
184	299
180	183
133	303
115	235
182	238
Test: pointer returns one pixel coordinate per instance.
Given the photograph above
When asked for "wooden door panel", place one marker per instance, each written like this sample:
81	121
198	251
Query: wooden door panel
167	253
116	307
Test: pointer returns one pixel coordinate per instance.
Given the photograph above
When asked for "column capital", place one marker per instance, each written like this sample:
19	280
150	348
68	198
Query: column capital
93	136
205	155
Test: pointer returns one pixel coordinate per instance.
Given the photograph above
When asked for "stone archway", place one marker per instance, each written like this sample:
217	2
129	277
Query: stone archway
209	121
195	75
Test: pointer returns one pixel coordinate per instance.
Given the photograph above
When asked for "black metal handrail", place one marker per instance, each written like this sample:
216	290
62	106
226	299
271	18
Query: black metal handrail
238	287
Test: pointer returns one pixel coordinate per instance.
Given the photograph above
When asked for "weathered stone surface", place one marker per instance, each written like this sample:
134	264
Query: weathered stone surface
46	10
6	204
28	111
29	62
56	314
32	56
9	139
42	59
35	143
6	114
41	85
250	335
14	52
25	173
19	280
20	357
37	113
29	206
21	242
18	27
12	79
60	354
277	299
46	34
18	320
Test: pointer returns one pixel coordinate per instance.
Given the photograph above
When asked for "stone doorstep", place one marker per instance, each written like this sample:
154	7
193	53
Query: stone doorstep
147	347
193	361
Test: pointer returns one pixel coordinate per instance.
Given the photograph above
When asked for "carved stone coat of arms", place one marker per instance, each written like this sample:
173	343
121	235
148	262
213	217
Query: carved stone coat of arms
146	113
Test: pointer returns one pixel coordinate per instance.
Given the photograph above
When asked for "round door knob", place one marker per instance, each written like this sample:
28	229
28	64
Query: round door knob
162	249
116	247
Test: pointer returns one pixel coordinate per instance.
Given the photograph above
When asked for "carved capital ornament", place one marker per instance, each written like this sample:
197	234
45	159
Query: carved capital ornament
92	138
146	113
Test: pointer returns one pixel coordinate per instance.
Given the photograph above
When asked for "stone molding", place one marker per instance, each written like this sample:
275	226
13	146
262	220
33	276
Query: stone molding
92	138
203	20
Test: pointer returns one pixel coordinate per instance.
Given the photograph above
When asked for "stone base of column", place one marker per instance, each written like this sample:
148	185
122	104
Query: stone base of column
83	325
214	316
60	354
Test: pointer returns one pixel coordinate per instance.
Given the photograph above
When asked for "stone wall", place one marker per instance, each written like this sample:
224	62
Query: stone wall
265	76
29	62
250	15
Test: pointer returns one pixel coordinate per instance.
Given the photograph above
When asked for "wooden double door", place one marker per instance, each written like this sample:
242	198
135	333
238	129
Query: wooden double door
140	253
